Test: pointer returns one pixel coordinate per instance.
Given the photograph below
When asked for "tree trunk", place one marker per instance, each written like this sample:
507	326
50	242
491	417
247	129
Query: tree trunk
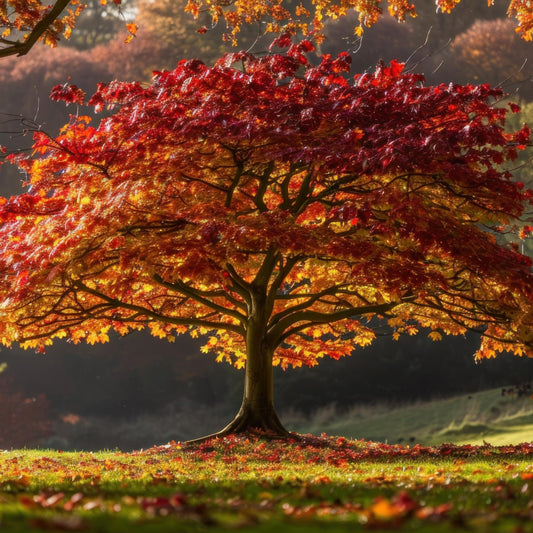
257	412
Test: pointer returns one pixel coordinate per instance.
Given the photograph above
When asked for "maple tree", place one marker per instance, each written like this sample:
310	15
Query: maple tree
276	208
25	83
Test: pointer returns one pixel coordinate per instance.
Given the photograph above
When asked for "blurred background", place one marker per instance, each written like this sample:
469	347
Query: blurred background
139	391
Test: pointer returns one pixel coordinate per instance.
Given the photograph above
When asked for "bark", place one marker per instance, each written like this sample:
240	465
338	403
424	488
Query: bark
257	413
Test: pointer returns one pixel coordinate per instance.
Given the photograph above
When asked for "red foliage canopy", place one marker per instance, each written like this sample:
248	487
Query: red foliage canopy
270	203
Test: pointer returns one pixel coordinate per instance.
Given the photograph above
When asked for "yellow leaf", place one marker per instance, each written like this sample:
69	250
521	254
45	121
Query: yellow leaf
435	336
384	510
92	338
156	330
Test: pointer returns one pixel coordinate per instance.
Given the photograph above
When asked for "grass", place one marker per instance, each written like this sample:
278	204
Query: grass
264	485
313	485
476	418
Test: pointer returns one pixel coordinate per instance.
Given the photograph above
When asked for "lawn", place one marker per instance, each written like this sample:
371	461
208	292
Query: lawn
265	485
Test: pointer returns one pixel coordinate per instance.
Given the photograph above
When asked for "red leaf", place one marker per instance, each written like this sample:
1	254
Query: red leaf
71	94
283	41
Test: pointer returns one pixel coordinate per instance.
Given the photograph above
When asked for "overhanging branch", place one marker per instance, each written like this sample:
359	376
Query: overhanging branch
306	318
22	48
179	321
199	297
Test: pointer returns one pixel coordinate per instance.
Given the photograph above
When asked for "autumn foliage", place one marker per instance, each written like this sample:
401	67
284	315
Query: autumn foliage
23	23
242	482
285	15
274	207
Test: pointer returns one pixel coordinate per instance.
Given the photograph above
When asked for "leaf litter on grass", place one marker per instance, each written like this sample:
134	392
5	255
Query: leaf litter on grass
252	482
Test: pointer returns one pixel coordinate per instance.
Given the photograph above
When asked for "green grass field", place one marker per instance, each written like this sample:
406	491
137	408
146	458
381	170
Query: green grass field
264	485
309	485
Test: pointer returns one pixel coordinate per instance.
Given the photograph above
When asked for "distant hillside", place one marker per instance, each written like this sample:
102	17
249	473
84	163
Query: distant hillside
484	416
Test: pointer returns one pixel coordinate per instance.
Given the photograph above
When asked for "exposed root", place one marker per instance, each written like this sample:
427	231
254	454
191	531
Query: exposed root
265	425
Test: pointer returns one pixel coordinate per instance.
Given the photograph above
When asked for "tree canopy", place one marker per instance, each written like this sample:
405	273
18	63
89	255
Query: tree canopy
274	207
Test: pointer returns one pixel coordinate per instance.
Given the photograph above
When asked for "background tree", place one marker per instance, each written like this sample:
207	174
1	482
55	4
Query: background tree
136	60
385	41
166	34
276	211
445	48
185	36
25	420
509	61
22	24
444	28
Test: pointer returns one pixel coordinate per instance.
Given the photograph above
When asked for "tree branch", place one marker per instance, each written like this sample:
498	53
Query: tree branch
284	271
22	48
310	300
283	329
197	296
186	321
